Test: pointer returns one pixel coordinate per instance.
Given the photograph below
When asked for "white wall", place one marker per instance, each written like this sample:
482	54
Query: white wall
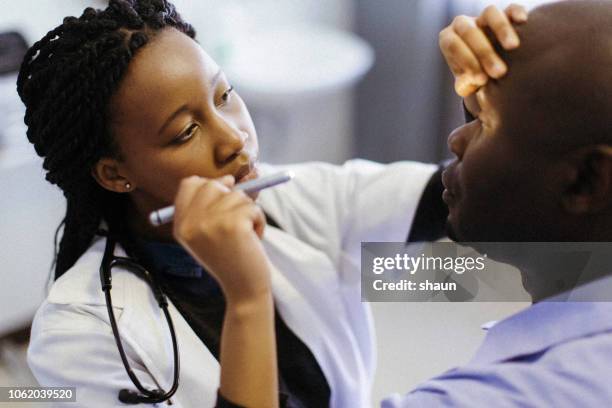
31	207
336	13
31	210
34	18
37	17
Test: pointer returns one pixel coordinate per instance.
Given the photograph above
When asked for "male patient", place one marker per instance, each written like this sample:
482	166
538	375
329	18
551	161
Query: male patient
536	165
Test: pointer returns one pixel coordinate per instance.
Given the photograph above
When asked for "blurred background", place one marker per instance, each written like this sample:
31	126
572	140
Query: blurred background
324	80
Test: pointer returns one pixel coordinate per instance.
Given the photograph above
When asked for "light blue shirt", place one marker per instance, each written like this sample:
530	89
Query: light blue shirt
553	354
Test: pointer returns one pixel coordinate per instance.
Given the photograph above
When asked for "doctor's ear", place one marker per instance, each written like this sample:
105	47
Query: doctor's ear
590	181
107	172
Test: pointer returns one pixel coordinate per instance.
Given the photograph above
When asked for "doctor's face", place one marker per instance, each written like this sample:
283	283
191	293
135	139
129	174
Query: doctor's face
501	187
174	115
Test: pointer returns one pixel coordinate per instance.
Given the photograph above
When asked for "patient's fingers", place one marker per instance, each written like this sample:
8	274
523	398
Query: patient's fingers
516	13
470	53
465	86
501	26
457	54
462	62
478	42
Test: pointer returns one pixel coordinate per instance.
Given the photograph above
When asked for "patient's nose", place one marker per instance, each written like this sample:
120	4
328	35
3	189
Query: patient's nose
458	140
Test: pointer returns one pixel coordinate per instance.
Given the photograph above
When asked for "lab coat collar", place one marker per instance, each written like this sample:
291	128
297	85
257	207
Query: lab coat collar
549	323
76	286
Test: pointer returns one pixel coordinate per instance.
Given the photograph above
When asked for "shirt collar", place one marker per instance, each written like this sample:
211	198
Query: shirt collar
172	259
549	323
488	325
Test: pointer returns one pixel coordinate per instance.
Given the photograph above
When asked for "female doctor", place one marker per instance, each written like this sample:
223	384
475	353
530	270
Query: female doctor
125	106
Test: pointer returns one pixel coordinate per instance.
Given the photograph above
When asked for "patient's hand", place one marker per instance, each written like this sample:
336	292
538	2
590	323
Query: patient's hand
468	51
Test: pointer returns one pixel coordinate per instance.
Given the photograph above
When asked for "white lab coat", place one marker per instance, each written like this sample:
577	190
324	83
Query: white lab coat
325	213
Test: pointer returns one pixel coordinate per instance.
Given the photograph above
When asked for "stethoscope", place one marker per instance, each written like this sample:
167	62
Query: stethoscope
108	262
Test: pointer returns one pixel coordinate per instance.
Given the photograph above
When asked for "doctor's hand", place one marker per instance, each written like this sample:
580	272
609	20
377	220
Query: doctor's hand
470	54
222	229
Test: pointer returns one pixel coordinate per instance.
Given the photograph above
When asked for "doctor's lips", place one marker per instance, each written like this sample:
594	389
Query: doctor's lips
246	172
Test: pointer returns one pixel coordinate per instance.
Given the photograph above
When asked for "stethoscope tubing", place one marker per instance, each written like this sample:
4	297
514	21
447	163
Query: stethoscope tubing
108	262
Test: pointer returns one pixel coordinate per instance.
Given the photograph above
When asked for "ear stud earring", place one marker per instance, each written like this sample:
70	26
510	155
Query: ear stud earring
128	186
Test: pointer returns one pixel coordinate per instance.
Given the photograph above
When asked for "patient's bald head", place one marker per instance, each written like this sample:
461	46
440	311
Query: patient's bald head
560	79
536	165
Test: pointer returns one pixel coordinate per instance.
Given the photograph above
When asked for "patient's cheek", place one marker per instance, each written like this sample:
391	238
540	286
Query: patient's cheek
486	175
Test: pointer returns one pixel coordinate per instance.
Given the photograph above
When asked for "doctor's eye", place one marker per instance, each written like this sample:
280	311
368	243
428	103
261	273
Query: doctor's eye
187	134
227	95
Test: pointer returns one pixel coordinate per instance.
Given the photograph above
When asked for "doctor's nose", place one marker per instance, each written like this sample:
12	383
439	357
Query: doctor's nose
229	142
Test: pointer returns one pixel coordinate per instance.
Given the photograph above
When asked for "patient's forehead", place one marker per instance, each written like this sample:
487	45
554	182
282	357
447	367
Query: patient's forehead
559	78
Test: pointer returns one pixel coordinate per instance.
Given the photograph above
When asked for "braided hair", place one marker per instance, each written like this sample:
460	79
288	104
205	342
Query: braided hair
66	81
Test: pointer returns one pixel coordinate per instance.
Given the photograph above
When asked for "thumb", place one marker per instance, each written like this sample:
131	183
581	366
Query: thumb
227	180
466	85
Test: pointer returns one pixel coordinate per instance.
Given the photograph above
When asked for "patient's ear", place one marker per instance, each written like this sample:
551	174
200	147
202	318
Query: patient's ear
108	173
589	182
